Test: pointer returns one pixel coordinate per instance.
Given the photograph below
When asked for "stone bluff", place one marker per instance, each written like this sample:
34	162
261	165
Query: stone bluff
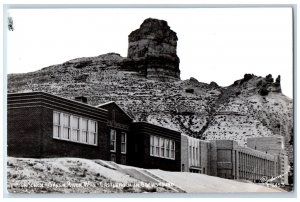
152	51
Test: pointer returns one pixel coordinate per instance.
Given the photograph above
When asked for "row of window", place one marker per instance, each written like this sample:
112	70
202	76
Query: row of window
78	129
113	145
162	147
74	128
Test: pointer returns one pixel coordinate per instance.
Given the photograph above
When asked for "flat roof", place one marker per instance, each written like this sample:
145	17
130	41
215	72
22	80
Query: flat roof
151	124
35	98
41	92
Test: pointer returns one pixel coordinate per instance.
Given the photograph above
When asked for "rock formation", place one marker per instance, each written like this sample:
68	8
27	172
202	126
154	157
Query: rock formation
152	51
253	106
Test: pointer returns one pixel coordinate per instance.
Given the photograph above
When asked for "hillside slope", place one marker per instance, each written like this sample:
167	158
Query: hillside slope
251	107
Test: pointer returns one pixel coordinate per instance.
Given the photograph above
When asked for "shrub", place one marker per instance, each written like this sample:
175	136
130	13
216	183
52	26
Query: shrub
237	93
189	90
263	92
247	77
149	189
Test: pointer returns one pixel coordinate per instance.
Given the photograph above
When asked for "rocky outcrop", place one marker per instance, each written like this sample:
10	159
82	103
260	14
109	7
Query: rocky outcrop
151	54
262	85
251	107
152	51
206	111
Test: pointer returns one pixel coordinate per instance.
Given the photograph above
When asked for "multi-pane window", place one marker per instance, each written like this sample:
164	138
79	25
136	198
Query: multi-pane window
92	132
123	142
112	140
151	145
84	130
162	147
56	125
167	148
156	144
172	149
74	128
66	126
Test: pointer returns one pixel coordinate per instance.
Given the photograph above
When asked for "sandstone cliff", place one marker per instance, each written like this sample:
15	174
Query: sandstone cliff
202	110
152	51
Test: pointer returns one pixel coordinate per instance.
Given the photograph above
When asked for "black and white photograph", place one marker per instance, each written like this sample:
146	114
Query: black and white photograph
149	100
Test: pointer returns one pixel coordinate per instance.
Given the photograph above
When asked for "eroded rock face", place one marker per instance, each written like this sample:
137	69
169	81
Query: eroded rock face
152	51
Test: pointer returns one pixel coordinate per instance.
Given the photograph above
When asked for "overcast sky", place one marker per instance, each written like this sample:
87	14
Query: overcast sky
214	44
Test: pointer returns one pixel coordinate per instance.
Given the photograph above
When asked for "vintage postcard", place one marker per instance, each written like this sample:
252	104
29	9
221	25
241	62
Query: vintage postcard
159	99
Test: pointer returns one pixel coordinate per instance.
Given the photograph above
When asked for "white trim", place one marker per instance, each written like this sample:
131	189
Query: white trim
103	104
124	152
154	154
151	145
111	102
61	127
86	131
115	140
77	138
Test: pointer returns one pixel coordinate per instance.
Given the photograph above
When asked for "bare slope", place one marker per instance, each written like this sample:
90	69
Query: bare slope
253	106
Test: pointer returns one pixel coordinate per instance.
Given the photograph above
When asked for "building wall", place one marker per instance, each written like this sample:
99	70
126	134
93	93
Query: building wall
213	158
194	154
184	154
63	148
254	165
271	145
30	127
228	160
283	168
141	157
193	162
205	157
30	134
33	113
24	132
223	158
119	121
275	146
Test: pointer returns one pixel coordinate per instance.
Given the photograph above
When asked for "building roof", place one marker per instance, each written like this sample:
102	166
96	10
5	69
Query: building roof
189	137
38	98
106	103
45	93
114	103
151	124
